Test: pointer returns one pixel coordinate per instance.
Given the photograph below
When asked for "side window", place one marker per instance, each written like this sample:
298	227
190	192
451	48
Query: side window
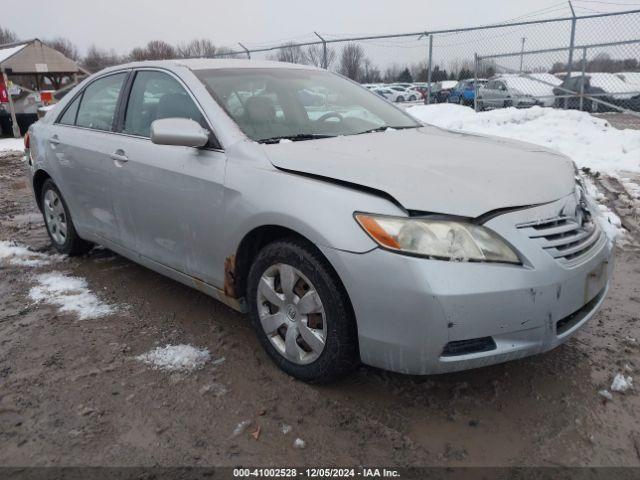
69	116
99	101
156	95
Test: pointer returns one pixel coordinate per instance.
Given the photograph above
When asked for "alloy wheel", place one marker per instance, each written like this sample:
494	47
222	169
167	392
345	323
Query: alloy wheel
291	314
55	217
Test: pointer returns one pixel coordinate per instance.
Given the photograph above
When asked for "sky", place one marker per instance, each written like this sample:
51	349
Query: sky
123	24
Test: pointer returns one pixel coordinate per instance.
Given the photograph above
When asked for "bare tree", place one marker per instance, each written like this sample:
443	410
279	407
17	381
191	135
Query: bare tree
225	52
351	60
64	46
198	48
7	36
391	73
154	50
96	59
370	73
291	53
315	56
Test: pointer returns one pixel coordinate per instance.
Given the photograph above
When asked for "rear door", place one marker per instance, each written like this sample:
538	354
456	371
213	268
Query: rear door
81	142
169	198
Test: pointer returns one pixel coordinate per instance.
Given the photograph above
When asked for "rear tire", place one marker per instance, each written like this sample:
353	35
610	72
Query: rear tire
275	308
58	222
400	99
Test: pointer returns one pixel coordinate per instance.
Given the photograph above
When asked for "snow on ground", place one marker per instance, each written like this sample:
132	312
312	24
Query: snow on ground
11	144
20	255
589	141
70	294
612	223
176	357
621	383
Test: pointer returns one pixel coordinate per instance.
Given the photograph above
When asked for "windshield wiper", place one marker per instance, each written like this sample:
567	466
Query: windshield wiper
384	127
295	138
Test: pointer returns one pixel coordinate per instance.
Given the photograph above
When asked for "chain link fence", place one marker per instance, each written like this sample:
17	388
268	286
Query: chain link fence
587	62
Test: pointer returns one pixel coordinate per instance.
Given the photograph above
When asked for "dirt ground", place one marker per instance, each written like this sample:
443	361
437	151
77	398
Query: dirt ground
72	393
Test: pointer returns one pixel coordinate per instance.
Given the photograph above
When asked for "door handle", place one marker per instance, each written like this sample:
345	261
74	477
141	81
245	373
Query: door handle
54	140
119	156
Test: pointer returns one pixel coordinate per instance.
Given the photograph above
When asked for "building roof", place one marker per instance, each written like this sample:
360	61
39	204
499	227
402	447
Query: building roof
33	56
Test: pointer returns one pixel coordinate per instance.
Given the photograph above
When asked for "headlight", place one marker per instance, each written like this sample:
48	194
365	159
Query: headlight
441	239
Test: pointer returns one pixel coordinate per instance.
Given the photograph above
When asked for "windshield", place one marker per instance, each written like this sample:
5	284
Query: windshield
269	104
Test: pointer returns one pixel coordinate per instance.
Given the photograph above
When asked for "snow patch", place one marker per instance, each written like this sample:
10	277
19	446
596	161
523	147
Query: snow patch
11	145
20	255
621	383
70	294
299	443
610	222
176	358
606	394
241	427
589	141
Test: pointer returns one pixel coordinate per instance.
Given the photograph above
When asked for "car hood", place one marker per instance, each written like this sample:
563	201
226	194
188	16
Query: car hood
433	170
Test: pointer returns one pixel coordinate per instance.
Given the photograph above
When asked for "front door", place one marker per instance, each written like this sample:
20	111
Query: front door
169	198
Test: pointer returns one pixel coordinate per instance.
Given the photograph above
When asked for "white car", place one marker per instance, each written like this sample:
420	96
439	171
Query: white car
405	94
391	94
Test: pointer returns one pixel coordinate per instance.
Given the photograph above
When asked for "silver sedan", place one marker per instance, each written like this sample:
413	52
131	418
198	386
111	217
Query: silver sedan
348	231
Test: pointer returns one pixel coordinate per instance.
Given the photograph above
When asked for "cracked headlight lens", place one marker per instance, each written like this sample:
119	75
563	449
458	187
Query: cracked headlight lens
438	238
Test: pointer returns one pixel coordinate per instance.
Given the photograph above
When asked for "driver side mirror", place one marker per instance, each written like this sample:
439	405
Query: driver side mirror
182	132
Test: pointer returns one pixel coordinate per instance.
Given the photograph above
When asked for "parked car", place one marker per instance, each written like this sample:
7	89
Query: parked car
359	236
415	93
464	93
442	91
404	94
391	94
632	78
504	92
600	86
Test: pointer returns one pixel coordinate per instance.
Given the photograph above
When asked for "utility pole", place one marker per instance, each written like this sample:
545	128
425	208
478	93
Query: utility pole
524	39
572	42
324	50
246	50
12	109
429	67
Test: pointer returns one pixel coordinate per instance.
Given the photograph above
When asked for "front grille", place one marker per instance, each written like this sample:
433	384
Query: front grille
563	237
464	347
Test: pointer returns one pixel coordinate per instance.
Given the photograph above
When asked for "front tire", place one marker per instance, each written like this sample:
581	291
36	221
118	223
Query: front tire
58	222
400	99
301	312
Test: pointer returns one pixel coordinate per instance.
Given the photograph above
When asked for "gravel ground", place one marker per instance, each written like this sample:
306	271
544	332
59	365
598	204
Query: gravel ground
73	393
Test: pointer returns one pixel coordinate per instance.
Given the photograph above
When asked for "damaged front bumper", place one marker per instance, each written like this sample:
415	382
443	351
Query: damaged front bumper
421	316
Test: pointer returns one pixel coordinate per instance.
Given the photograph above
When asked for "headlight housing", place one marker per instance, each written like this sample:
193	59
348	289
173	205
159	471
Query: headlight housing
442	239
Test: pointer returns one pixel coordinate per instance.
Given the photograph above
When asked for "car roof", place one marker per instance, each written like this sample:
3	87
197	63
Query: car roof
215	63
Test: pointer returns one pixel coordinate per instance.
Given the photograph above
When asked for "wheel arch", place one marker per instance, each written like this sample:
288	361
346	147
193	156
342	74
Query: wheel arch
237	266
39	177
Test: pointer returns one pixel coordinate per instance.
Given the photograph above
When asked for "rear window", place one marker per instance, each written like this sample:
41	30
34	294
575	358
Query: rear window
69	115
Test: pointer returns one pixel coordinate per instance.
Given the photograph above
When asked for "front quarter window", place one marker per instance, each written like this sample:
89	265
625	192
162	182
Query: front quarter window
301	104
